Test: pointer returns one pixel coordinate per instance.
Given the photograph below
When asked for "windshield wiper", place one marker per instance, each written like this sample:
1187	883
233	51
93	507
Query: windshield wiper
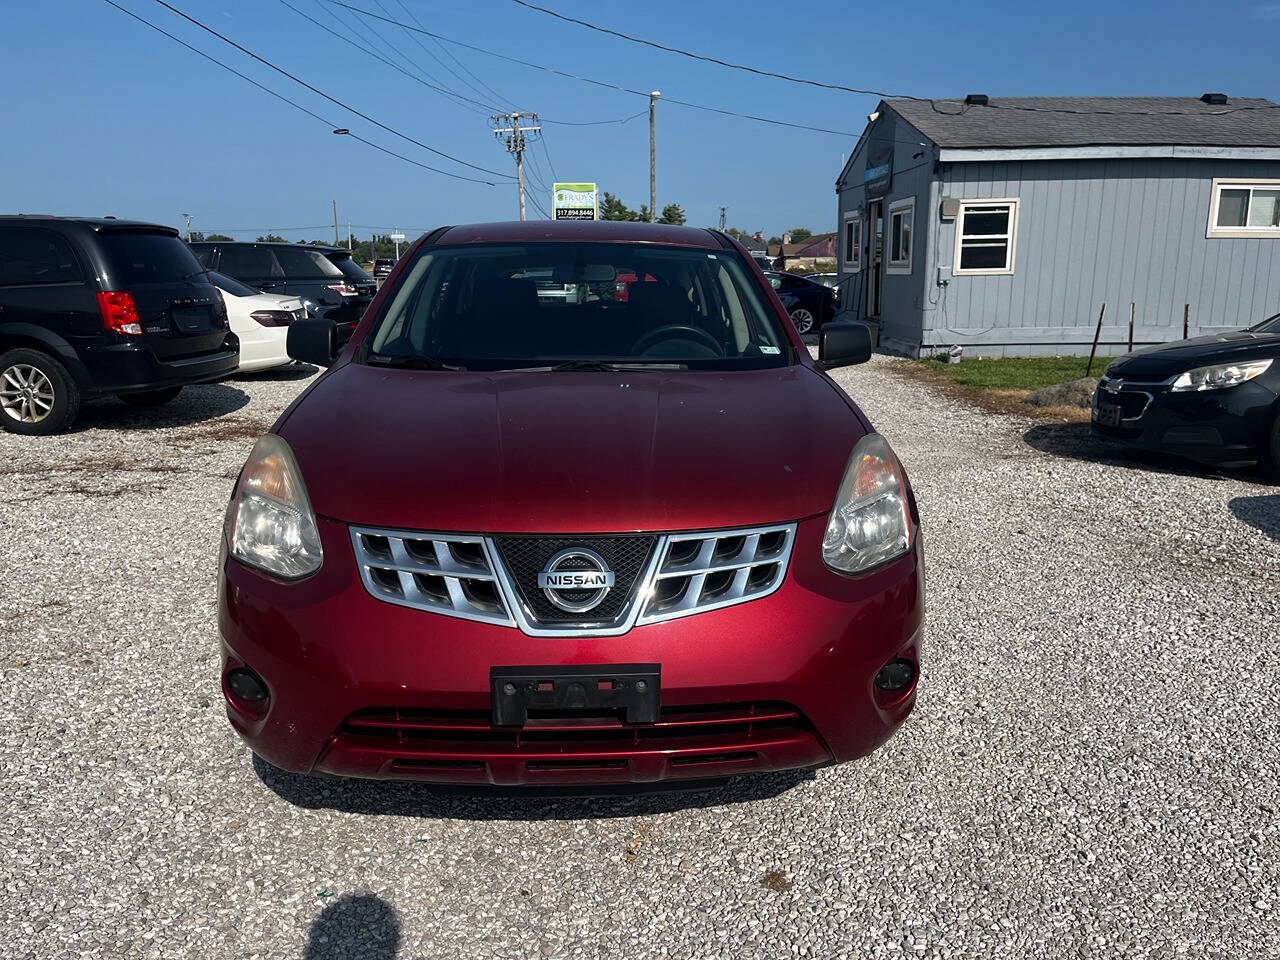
412	361
598	365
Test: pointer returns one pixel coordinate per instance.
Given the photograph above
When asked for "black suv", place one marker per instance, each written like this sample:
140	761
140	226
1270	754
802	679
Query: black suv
325	276
96	307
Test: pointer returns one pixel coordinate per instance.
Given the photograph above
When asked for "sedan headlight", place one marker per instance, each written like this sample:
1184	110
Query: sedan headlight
270	523
870	523
1220	375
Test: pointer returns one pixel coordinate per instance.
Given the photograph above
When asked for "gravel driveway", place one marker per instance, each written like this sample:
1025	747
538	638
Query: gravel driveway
1091	770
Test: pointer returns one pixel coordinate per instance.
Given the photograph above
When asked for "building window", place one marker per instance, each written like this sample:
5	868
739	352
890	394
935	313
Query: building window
852	242
986	234
902	216
1245	208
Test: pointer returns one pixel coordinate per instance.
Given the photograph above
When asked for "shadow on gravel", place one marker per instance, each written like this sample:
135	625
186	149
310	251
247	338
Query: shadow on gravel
357	925
284	374
1078	442
1262	513
402	799
193	405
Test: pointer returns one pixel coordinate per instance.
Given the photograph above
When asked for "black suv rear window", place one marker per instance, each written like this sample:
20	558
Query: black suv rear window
350	269
147	258
302	263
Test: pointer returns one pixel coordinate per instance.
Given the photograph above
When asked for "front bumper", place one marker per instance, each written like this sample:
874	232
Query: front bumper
1221	427
361	687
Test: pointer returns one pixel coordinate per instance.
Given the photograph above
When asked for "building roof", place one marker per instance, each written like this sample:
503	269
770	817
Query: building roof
1088	121
602	231
819	245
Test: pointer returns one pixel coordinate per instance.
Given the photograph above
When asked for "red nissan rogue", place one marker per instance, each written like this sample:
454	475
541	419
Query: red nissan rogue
525	532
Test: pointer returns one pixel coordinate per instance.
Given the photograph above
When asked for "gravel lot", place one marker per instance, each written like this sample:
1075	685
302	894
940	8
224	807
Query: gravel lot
1091	770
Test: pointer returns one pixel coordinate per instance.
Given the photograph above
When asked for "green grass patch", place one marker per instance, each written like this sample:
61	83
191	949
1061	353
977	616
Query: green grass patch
1013	373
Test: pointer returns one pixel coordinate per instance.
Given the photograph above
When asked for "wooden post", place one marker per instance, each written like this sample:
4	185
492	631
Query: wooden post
1186	320
1131	307
1096	334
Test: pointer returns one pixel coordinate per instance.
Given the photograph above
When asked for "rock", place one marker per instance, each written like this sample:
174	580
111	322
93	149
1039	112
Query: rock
1073	393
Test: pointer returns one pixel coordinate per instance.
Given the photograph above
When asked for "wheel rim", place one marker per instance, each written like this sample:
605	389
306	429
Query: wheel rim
26	393
803	320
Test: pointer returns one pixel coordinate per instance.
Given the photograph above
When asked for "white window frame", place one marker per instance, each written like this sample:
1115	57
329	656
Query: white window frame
900	206
1012	236
855	265
1213	231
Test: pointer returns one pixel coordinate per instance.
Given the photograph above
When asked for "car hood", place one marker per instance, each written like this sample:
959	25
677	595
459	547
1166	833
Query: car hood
571	452
1169	359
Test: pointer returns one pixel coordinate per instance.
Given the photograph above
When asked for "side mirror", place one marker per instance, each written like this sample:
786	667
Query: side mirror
843	343
313	340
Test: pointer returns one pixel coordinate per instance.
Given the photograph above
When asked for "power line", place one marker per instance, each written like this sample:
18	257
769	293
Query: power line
595	123
759	71
409	33
594	82
462	101
297	106
321	93
547	153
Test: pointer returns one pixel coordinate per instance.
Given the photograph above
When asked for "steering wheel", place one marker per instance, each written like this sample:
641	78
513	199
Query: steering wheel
677	331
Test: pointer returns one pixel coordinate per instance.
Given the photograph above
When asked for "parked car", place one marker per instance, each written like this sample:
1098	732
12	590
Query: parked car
312	273
260	320
831	280
364	285
382	267
809	304
90	308
763	260
1213	399
514	540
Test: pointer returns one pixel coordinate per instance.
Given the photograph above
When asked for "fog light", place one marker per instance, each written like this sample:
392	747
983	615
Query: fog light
895	675
246	685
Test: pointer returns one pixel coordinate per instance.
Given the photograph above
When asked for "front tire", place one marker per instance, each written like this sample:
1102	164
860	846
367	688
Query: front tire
803	320
37	395
150	398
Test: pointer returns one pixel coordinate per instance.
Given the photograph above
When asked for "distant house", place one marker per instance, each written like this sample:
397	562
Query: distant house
1004	225
753	243
806	253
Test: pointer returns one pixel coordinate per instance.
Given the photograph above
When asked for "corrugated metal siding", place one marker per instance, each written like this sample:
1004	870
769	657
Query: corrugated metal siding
1094	231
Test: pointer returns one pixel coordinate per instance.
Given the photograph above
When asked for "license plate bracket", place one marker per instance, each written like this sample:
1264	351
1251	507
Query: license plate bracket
634	689
1108	414
190	319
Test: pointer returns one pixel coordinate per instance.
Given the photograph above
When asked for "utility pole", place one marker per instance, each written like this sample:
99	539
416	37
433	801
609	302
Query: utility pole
187	217
653	159
722	213
507	128
335	223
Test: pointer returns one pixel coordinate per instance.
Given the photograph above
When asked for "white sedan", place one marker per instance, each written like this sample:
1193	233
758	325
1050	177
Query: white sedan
260	320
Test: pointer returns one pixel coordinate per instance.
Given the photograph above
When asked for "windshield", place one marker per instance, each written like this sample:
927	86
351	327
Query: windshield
231	285
1269	325
502	306
148	258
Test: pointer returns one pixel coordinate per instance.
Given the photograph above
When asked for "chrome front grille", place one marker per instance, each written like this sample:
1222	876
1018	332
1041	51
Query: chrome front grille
480	578
448	573
706	571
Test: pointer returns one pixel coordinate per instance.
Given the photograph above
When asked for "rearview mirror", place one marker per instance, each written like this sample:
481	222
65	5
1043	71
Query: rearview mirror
313	340
844	343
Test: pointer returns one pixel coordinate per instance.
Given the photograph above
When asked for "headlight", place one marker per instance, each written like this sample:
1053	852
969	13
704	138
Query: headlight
870	523
270	523
1221	375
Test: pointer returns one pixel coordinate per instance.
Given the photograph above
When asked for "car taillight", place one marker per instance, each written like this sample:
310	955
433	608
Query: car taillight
272	318
119	312
345	289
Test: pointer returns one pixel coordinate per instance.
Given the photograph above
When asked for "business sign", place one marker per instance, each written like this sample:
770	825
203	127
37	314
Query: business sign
574	201
878	175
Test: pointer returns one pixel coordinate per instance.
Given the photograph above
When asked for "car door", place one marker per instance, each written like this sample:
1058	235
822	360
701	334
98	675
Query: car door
44	284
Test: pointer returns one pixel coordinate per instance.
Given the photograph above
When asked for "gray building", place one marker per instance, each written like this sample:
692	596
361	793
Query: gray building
1004	225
